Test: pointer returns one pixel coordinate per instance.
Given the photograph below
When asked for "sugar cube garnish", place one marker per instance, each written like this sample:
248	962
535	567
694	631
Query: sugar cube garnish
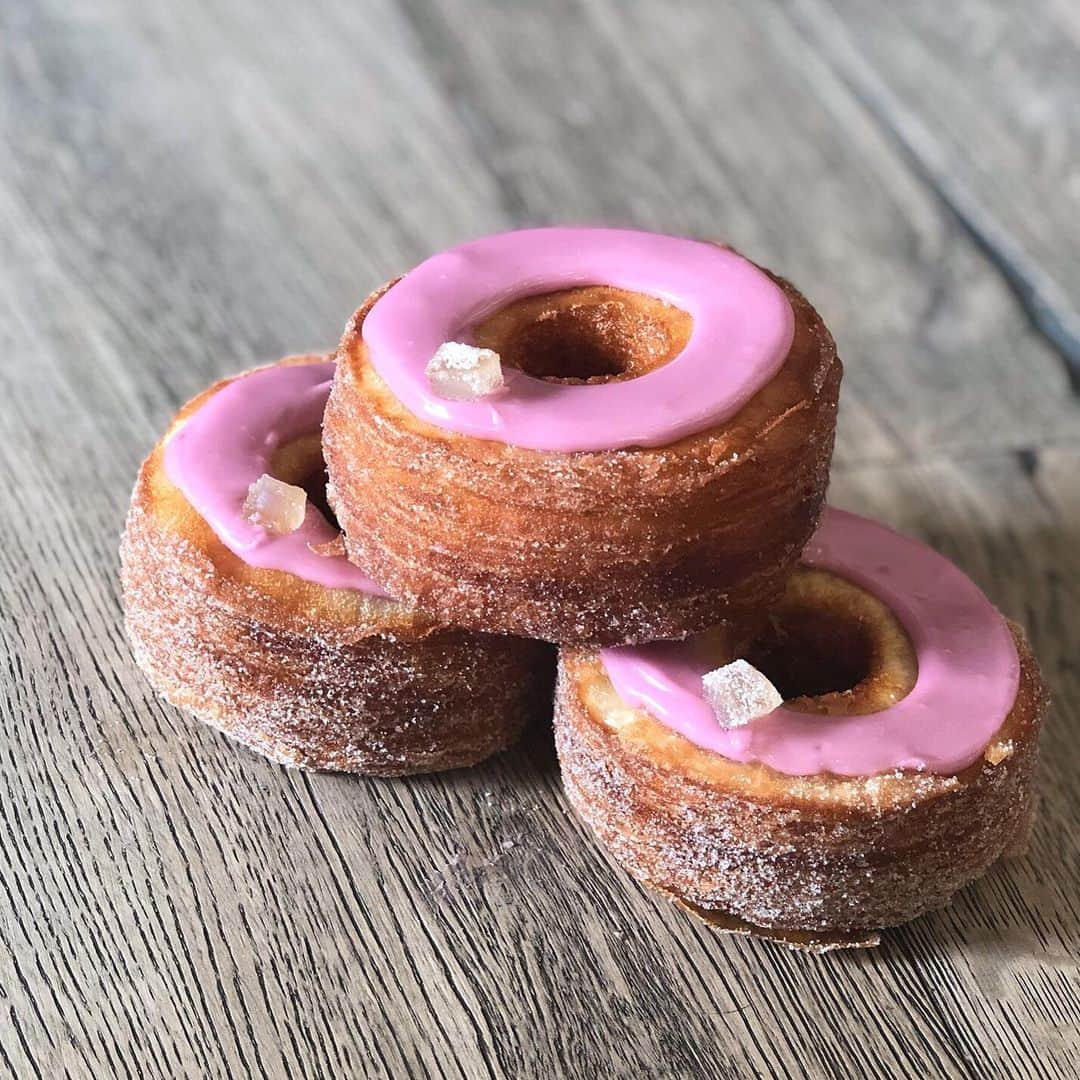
462	372
275	506
738	693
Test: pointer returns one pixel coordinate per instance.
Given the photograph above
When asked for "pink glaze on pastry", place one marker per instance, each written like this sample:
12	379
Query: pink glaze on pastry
967	680
228	443
743	327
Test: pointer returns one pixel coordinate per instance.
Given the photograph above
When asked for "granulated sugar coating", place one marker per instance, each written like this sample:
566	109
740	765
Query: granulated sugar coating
307	675
818	861
606	547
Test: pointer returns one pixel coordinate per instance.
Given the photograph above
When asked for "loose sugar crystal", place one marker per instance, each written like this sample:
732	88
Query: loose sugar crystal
275	506
463	372
739	693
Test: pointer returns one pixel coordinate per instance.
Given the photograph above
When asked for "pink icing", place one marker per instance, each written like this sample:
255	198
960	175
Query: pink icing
742	330
228	444
967	681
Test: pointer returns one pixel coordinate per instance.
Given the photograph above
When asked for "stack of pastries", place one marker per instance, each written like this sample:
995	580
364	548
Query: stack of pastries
788	719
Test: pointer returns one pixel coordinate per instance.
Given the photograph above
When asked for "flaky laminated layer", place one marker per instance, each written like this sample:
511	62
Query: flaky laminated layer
607	547
307	675
791	857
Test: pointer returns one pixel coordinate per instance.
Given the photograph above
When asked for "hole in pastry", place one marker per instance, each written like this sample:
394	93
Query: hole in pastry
593	334
807	652
315	486
301	462
832	647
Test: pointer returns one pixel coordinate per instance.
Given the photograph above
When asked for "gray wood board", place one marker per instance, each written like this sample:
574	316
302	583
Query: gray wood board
982	99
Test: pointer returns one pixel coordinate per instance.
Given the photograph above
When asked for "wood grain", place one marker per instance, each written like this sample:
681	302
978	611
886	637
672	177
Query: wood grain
721	122
983	105
189	189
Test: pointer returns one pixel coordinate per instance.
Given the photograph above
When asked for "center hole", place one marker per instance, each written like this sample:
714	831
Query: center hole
300	462
592	334
809	652
315	486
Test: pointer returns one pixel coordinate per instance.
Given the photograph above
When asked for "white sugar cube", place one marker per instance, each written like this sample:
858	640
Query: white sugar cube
463	372
275	506
739	693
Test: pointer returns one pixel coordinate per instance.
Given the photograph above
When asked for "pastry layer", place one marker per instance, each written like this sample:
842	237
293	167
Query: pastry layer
740	326
607	547
791	856
327	678
859	579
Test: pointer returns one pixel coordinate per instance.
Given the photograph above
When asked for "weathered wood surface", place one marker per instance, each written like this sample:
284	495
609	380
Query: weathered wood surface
984	105
188	189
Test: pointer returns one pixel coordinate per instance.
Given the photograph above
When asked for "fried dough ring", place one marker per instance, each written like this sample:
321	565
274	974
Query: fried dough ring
324	678
819	862
605	547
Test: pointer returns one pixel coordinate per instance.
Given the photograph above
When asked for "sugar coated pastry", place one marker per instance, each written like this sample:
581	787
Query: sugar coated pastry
898	769
583	435
242	607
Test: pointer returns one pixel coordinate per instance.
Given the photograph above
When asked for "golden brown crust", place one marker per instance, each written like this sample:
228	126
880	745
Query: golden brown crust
610	547
309	676
795	857
800	940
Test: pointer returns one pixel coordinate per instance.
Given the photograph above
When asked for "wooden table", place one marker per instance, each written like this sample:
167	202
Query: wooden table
190	189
